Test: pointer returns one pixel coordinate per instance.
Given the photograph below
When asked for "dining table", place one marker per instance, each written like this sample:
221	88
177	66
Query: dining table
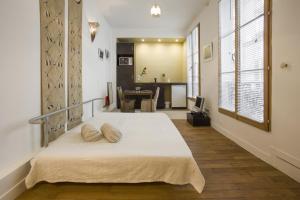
137	93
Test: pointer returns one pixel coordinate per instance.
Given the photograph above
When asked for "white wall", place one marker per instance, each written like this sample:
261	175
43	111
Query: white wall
284	138
96	72
20	91
159	58
20	81
148	33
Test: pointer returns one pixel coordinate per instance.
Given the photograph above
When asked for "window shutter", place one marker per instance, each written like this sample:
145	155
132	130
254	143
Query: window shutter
227	55
244	56
189	66
251	55
195	35
193	63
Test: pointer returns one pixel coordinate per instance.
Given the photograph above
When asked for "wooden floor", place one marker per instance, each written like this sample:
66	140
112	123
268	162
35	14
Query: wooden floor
230	173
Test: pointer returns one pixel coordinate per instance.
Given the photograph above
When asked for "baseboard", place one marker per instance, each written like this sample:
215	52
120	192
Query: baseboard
277	158
265	156
14	192
286	157
13	184
286	163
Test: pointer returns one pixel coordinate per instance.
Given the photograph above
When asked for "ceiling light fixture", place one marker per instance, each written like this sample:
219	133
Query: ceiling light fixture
159	40
177	40
155	11
143	40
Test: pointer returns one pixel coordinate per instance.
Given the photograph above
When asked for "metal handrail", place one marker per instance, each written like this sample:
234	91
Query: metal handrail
44	119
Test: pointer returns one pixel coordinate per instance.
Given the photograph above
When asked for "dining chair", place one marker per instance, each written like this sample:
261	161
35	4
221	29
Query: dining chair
149	105
127	105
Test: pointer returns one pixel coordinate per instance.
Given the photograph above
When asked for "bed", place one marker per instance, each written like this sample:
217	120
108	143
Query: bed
151	150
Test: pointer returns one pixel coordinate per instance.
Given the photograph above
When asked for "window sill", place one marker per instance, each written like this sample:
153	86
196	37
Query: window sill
262	126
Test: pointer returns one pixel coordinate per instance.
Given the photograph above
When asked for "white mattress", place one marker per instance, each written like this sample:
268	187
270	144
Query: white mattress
151	150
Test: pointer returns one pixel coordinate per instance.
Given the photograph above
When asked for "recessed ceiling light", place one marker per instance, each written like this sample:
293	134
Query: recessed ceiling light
155	11
159	40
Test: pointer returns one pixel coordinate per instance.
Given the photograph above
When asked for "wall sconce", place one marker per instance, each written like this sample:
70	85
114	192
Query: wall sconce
93	29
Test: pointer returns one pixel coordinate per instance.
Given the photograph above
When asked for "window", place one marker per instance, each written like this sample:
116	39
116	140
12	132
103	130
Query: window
227	58
244	60
193	78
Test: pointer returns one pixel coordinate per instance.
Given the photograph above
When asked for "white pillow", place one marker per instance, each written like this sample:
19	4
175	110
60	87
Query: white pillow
90	134
112	134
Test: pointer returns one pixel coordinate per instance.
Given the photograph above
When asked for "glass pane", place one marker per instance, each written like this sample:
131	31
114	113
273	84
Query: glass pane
195	61
190	83
252	45
189	45
189	66
227	91
195	88
226	17
196	57
228	53
251	75
190	86
196	65
250	9
195	36
251	95
196	76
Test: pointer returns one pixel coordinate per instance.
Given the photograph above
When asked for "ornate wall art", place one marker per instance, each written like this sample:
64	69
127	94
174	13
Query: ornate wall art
75	62
52	64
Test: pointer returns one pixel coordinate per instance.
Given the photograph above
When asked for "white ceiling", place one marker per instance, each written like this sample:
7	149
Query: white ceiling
176	15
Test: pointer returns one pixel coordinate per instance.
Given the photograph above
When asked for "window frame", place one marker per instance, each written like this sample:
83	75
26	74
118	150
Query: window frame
266	125
199	64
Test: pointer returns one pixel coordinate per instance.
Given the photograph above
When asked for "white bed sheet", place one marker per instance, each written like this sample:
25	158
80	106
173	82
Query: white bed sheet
151	150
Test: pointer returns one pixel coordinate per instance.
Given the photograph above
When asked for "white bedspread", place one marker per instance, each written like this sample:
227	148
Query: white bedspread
151	150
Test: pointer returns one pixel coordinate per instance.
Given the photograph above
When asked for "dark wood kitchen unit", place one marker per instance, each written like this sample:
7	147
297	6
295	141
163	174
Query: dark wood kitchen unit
125	73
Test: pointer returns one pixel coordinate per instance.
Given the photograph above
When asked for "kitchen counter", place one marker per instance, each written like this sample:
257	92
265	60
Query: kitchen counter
161	83
165	91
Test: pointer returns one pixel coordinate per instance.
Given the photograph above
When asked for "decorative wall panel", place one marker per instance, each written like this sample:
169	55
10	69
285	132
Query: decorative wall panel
75	62
52	64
